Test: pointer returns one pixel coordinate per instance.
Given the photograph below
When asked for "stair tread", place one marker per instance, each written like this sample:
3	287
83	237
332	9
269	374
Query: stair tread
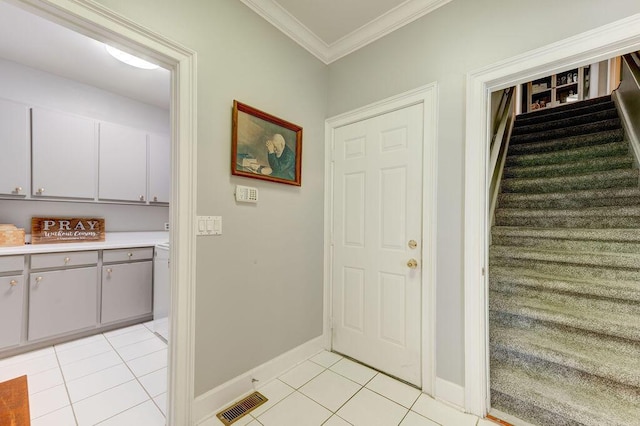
562	121
613	318
593	405
597	179
597	138
573	168
610	234
603	356
613	149
607	211
611	289
584	198
580	129
527	118
612	260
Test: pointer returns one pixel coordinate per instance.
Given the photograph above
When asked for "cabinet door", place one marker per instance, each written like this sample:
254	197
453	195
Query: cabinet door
11	297
159	168
62	301
126	291
64	155
14	140
123	163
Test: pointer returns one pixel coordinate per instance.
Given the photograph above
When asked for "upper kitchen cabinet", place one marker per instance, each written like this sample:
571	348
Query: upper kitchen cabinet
63	155
159	168
14	140
123	163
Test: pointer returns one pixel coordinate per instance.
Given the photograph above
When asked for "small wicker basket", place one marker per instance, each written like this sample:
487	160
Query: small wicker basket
11	236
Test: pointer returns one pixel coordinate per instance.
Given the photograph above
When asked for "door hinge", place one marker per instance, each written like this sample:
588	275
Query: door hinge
483	271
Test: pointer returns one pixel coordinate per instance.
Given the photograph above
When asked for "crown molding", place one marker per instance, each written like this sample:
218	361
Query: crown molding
396	18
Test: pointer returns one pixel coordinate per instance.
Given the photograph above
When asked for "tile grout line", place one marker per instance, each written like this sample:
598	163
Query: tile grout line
66	388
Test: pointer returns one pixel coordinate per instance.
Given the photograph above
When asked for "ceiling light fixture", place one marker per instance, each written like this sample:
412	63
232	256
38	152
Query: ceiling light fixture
129	59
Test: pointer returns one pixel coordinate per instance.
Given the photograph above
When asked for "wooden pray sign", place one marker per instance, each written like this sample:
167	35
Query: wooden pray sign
48	230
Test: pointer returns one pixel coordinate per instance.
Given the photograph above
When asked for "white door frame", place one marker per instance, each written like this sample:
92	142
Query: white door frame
592	46
428	97
100	23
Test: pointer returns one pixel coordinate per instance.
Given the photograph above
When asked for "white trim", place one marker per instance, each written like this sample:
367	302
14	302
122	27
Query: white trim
428	97
208	404
390	21
586	48
449	392
102	24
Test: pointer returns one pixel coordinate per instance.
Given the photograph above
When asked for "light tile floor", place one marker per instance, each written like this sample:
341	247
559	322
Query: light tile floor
118	378
330	390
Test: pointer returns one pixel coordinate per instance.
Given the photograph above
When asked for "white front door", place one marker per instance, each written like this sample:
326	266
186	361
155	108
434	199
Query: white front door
377	213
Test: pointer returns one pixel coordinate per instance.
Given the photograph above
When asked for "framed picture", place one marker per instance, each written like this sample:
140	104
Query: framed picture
265	147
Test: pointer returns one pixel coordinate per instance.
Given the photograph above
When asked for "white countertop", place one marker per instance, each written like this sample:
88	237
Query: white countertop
113	240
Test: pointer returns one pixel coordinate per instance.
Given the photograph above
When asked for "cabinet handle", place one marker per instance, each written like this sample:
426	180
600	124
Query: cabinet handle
18	189
67	260
38	279
13	283
130	255
109	271
40	191
142	198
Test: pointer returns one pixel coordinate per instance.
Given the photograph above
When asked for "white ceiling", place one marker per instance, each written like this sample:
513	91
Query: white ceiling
329	29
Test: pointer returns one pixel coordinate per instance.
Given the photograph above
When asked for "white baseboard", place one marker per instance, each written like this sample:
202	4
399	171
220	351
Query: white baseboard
449	392
207	404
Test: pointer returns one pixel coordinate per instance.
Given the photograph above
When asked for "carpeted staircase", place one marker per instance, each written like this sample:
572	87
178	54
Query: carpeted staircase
565	271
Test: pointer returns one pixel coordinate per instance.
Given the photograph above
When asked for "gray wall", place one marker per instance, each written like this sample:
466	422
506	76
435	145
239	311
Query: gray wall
259	285
443	46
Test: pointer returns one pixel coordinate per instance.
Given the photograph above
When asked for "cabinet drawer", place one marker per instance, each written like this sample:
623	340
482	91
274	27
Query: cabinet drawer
125	255
60	260
11	263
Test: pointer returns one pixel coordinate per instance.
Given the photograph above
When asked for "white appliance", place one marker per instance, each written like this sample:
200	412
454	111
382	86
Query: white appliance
161	291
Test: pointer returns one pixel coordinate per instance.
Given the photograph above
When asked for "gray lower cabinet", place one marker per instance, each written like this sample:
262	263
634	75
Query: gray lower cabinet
11	309
62	301
127	290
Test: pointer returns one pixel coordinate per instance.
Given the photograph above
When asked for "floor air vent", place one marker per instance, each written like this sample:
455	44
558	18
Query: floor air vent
240	408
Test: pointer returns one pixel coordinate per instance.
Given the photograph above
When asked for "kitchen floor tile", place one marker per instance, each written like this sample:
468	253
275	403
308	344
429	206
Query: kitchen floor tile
295	410
48	401
330	389
19	359
155	383
145	414
79	353
275	391
326	358
336	421
395	390
44	380
301	374
148	363
136	350
28	367
353	371
91	365
161	402
129	338
79	342
100	381
107	404
62	417
367	408
414	419
442	413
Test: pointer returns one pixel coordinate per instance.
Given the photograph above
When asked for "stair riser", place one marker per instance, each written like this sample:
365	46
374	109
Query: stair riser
511	201
583	167
568	245
569	222
564	122
595	259
565	157
580	272
583	129
573	142
558	113
627	179
528	412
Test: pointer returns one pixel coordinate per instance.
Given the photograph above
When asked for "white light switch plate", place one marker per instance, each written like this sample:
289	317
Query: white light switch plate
209	225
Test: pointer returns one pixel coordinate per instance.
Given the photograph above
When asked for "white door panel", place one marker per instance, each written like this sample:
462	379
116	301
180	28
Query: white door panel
377	210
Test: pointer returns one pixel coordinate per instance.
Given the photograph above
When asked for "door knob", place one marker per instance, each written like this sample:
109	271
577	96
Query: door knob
412	264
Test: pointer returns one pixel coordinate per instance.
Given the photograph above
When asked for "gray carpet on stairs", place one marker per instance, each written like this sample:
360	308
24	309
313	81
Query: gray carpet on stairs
564	271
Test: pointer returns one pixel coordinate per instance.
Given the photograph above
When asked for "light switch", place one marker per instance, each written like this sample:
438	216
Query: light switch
209	225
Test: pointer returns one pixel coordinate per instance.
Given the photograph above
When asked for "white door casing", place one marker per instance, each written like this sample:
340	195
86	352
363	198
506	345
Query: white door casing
377	210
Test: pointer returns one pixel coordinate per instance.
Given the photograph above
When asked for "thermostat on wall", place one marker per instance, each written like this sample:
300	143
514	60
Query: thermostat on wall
246	194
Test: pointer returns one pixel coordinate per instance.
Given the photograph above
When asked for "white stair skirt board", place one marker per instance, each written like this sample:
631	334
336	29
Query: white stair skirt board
449	392
209	403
